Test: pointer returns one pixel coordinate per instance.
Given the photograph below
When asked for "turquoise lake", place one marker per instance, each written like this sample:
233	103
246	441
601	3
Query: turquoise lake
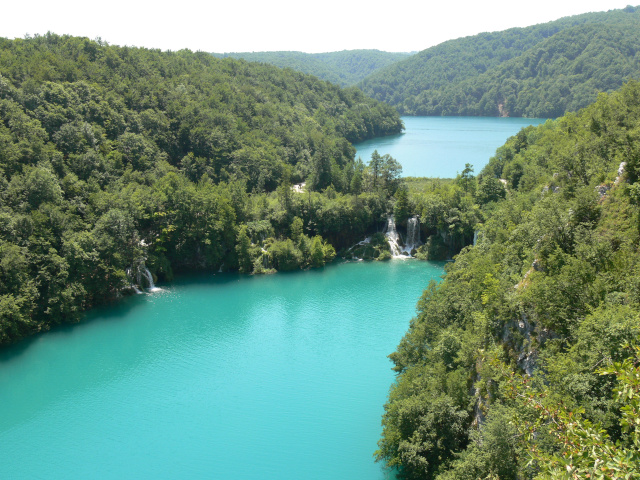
216	376
227	376
441	146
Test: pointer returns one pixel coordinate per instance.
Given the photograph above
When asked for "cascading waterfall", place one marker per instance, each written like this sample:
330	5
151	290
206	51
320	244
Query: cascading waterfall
392	237
413	235
141	272
147	275
395	242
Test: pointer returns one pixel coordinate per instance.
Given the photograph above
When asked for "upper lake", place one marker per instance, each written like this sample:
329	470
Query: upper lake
441	146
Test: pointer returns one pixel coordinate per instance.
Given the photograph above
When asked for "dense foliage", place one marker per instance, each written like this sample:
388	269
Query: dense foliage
117	159
344	68
516	365
539	71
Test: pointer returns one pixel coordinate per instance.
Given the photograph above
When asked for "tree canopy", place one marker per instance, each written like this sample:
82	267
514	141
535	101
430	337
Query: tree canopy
345	68
523	361
115	159
540	71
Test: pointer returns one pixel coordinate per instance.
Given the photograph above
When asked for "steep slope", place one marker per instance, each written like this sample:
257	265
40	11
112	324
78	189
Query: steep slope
535	71
550	290
343	68
115	159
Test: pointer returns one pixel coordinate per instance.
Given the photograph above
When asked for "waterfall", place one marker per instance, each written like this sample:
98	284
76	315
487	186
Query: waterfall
392	237
475	237
413	235
147	275
141	272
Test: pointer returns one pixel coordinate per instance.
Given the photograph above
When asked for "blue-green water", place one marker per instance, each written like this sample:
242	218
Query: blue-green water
441	146
218	376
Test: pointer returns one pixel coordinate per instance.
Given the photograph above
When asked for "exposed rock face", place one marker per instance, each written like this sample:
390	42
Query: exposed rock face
535	266
602	190
524	345
528	354
481	403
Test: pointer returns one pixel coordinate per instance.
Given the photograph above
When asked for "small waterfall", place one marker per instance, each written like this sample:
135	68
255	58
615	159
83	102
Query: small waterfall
147	275
475	237
392	237
413	235
141	272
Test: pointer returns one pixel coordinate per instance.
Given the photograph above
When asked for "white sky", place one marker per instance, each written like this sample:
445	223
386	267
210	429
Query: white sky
264	25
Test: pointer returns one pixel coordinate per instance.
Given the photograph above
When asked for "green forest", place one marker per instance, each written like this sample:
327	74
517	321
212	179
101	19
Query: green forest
524	361
345	68
540	71
115	159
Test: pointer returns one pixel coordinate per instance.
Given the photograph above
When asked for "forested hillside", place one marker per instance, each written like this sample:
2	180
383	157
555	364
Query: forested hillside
344	68
116	159
524	362
539	71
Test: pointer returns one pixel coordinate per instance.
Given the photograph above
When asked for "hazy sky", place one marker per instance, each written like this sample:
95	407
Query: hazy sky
262	25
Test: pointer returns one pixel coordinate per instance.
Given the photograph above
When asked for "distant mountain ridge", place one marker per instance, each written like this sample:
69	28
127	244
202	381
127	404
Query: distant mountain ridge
344	68
539	71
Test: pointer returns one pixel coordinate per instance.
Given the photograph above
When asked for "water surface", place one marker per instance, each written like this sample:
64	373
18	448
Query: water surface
441	146
224	377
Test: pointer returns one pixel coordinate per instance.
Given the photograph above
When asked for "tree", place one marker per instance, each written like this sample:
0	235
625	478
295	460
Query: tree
402	208
390	173
285	255
245	262
490	190
375	167
466	180
583	449
297	227
356	179
317	252
321	169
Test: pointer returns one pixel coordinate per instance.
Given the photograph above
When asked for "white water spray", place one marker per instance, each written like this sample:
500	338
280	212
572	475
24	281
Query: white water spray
142	272
398	250
147	275
413	235
393	238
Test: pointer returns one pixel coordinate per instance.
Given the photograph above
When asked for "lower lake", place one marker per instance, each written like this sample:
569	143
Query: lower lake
216	376
441	146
